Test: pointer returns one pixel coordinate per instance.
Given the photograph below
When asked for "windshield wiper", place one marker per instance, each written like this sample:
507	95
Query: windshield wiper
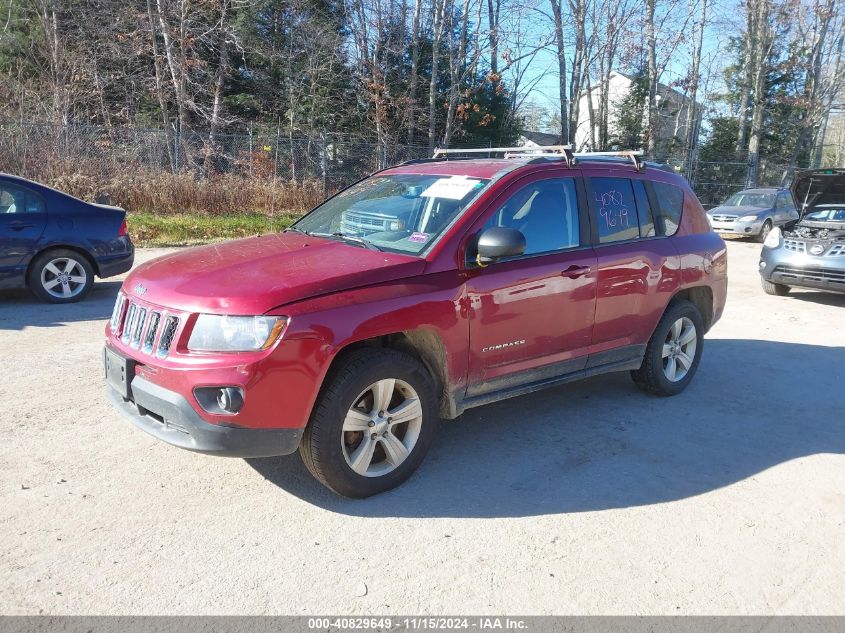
296	230
351	239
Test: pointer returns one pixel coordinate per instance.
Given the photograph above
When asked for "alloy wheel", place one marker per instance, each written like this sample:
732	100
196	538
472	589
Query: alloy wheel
63	277
679	349
381	428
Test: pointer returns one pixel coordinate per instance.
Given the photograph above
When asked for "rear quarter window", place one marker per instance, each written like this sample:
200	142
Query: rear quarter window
670	205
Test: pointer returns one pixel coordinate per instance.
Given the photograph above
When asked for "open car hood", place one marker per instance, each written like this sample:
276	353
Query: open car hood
812	187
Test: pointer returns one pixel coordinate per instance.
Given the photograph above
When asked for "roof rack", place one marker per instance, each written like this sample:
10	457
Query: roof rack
563	151
548	151
635	156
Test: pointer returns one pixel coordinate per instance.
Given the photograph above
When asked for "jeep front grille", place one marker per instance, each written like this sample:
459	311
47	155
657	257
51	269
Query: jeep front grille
837	250
146	328
167	334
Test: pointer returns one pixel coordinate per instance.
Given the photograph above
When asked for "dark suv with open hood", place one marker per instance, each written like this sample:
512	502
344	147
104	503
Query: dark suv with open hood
809	253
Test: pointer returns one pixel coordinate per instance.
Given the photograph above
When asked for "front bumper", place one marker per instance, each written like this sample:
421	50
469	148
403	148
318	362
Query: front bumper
751	229
801	270
168	416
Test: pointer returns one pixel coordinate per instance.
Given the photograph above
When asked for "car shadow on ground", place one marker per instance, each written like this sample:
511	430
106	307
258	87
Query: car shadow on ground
823	298
603	444
20	309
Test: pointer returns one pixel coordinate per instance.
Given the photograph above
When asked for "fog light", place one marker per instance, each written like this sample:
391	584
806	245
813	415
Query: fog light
230	399
220	400
762	265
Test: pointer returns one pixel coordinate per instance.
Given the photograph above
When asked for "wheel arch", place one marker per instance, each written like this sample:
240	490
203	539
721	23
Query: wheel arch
424	344
701	297
66	247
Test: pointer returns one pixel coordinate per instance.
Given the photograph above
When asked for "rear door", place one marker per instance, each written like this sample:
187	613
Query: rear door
637	266
531	316
23	216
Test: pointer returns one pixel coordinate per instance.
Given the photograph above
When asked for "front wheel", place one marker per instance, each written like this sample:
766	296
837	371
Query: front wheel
60	276
373	423
764	232
674	351
779	290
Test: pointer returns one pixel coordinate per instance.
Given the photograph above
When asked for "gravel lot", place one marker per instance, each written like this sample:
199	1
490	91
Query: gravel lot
591	498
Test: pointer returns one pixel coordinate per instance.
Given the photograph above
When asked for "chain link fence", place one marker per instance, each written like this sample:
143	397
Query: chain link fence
271	169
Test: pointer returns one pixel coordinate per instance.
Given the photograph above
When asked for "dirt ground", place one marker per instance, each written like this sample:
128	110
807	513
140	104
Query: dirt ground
591	498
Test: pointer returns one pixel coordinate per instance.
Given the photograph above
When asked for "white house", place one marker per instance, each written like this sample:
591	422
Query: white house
672	108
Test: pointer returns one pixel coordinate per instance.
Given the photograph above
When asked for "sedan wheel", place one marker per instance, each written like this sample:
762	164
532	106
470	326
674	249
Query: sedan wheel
60	276
679	349
382	428
63	278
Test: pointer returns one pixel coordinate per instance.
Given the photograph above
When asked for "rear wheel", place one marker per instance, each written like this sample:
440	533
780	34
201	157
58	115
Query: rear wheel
373	423
60	276
674	351
770	288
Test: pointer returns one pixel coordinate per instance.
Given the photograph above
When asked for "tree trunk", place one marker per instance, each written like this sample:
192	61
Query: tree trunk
762	45
561	68
159	84
411	114
219	83
691	137
747	85
651	43
437	28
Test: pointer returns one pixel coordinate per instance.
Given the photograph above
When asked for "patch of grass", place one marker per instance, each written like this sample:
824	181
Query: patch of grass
187	229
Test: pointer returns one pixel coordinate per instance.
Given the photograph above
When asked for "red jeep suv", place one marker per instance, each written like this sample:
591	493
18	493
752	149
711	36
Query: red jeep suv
416	293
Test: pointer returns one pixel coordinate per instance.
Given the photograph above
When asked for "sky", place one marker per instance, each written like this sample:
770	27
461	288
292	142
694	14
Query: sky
543	68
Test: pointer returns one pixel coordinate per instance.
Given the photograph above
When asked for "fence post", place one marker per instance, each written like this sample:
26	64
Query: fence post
324	162
178	142
250	149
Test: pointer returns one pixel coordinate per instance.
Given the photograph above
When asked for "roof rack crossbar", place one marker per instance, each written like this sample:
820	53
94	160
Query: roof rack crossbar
635	156
564	151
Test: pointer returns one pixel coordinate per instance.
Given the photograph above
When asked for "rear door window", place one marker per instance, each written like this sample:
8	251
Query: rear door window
614	210
16	200
670	205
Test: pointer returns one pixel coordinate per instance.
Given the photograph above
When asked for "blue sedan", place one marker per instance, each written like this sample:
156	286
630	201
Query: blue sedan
55	244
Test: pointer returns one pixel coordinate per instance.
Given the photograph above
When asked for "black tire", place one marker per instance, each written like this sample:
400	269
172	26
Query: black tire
764	232
59	257
778	290
651	376
322	445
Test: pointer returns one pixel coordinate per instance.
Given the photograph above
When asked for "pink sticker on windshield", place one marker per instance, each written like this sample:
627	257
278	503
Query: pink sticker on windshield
419	238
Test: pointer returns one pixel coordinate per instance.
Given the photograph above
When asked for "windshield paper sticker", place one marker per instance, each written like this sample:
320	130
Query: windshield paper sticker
454	188
419	238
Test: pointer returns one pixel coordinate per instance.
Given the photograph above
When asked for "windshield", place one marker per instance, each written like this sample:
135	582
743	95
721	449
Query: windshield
751	199
402	213
827	215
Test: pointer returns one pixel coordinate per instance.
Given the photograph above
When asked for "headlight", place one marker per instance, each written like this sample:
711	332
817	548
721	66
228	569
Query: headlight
748	218
773	238
223	333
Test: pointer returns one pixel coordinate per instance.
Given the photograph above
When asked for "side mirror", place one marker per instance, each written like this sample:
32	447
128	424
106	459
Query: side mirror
498	242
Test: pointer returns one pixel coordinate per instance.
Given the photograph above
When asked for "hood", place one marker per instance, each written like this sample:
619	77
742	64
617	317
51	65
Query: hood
745	209
818	186
254	275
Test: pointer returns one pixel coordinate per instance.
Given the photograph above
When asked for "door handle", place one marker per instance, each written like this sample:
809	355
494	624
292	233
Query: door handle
17	226
573	272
